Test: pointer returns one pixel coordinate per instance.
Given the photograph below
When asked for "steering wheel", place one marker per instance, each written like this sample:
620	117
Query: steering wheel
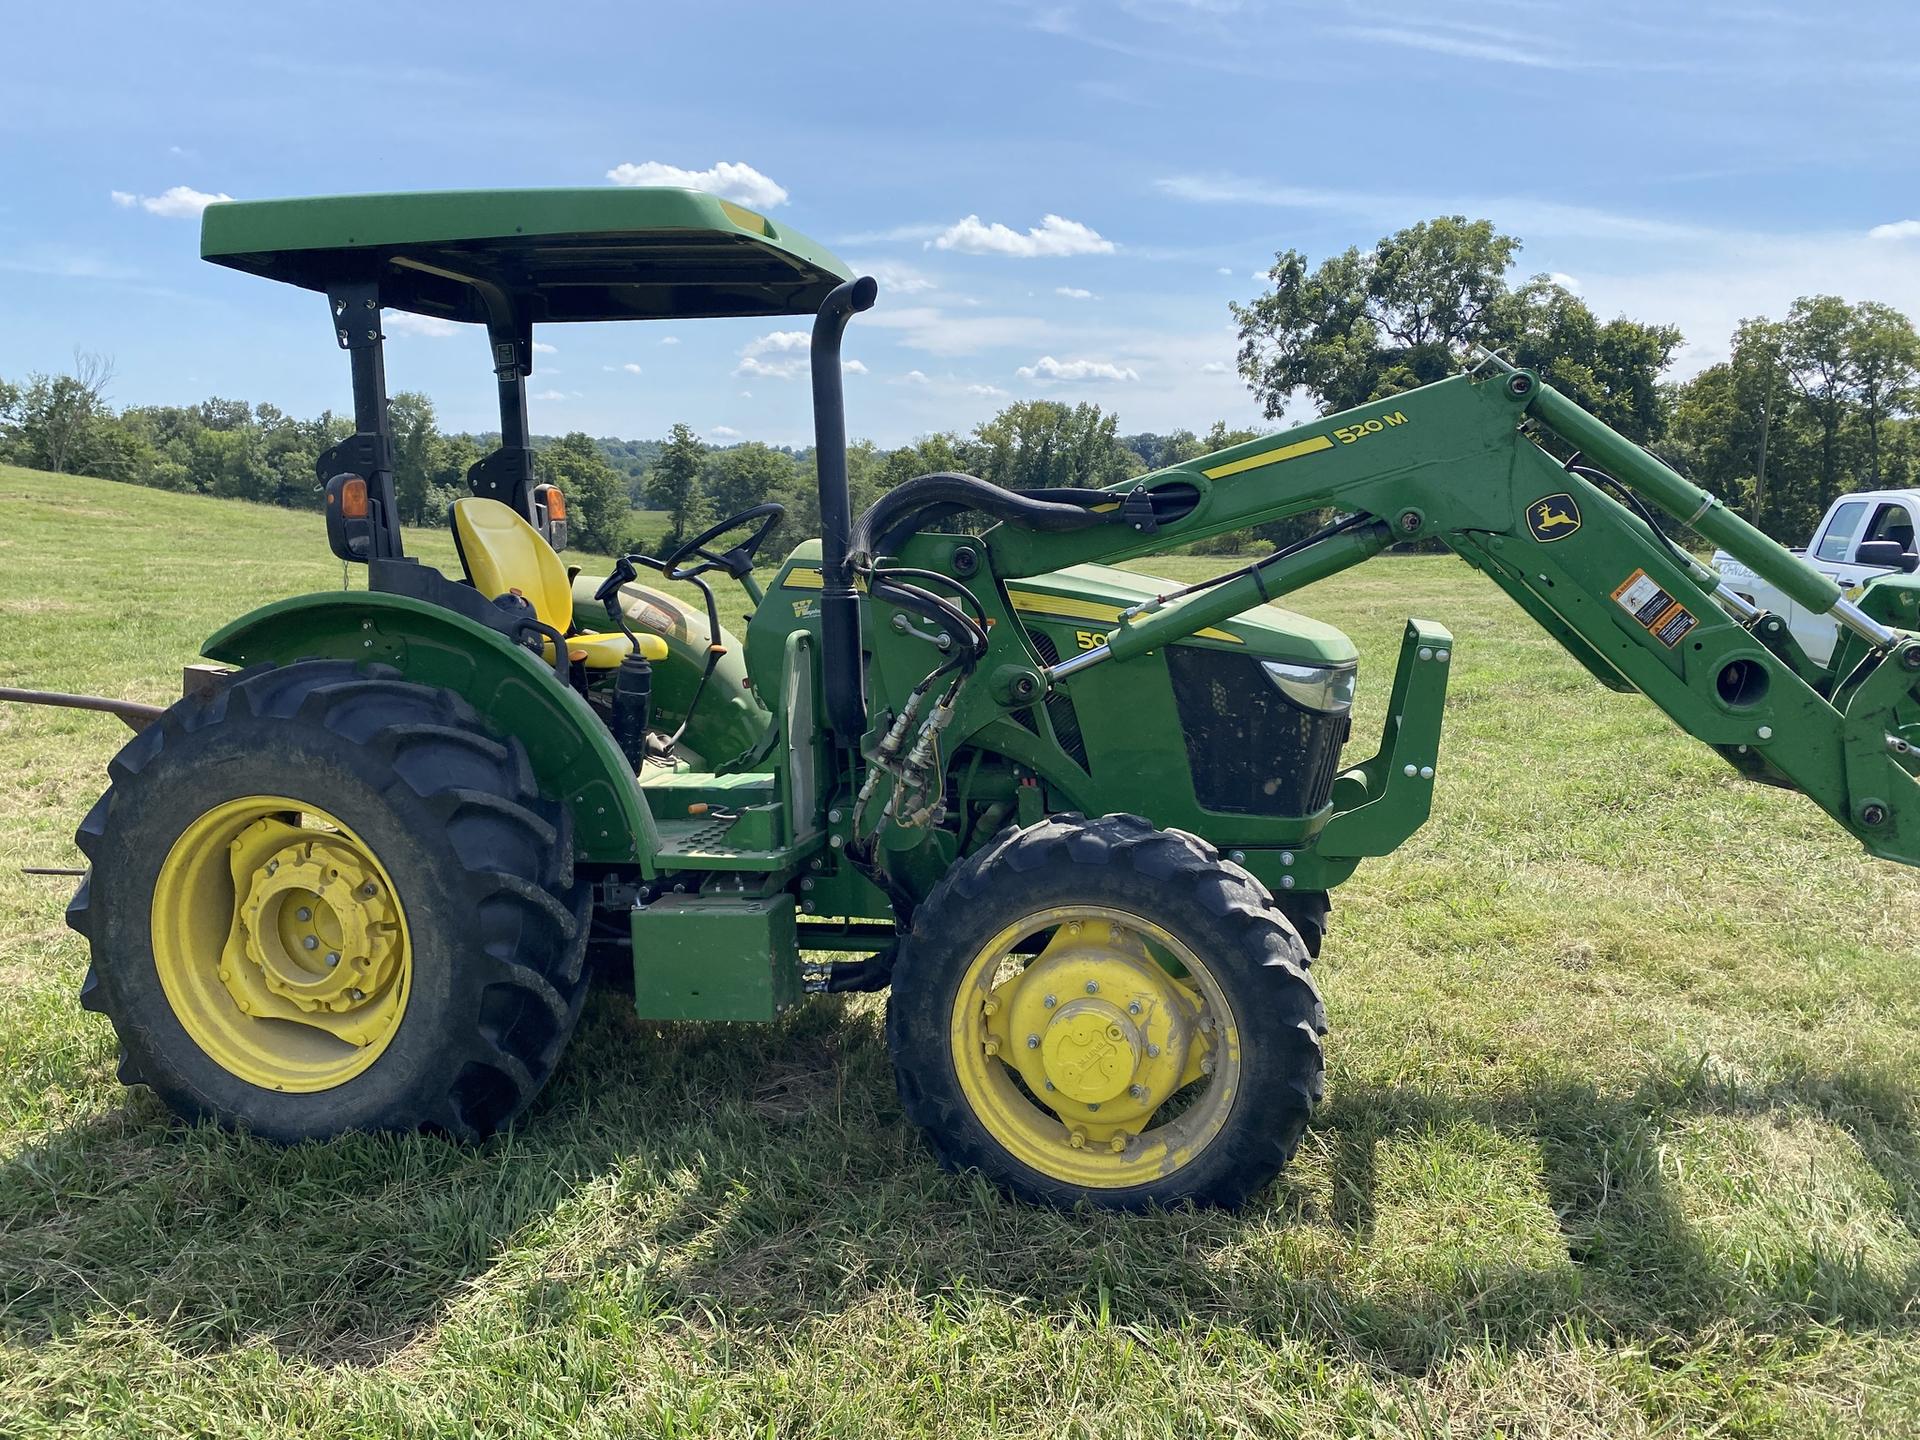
737	561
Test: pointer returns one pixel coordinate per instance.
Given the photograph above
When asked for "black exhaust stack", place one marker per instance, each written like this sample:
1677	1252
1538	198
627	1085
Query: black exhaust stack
842	665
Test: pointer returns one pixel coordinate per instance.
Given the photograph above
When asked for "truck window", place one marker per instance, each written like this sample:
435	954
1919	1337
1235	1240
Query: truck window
1837	543
1891	522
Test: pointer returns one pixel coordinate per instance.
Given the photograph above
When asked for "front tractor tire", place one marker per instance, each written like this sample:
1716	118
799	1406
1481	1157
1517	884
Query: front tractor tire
1098	1010
325	899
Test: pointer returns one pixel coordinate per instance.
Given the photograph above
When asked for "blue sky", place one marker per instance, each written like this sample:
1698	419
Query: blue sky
1691	163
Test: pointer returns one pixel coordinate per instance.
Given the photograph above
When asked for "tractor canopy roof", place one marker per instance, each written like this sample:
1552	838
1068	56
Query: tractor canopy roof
531	256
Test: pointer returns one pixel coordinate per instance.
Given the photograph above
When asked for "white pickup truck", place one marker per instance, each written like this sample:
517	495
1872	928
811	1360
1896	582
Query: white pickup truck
1867	533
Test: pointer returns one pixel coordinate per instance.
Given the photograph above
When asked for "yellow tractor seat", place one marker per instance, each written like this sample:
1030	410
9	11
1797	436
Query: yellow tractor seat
503	554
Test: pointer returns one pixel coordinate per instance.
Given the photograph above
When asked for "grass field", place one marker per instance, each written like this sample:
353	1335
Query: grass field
1621	1136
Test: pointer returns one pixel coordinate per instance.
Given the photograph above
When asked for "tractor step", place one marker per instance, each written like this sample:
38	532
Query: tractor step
712	957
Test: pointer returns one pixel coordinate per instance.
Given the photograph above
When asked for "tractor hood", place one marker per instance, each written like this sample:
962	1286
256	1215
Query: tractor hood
1091	597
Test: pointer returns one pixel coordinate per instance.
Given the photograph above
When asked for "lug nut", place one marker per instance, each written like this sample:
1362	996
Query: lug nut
1133	1007
1050	1002
1093	987
333	958
1078	1139
312	942
1094	1106
988	1006
1117	1144
1049	1084
993	1045
358	994
304	913
1206	1066
1033	1042
1153	1052
1138	1092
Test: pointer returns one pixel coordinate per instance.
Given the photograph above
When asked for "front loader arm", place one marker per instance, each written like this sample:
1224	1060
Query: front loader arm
1458	462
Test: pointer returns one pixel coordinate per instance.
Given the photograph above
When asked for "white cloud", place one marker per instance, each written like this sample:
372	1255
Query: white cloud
1216	367
1053	237
778	342
853	367
550	395
729	180
1898	230
631	368
1074	292
939	331
669	339
778	355
1224	270
915	377
987	391
1047	369
723	432
897	279
1464	47
1526	217
181	202
1565	282
405	322
540	347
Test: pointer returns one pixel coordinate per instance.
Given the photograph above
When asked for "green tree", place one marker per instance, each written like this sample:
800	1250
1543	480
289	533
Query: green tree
597	503
1883	358
1363	325
742	476
61	419
1814	344
673	484
1036	444
1367	324
415	432
1610	368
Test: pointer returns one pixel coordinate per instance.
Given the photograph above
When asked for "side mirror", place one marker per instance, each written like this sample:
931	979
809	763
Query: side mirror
550	515
1887	555
349	518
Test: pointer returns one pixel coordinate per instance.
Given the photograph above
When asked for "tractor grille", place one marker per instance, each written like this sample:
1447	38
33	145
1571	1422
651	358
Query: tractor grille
1060	712
1252	750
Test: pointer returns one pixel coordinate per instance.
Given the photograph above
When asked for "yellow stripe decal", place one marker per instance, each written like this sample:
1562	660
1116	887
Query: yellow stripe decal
1309	446
1060	607
1026	602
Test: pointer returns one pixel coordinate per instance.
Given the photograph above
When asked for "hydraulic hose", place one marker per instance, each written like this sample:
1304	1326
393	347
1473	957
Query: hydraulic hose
948	489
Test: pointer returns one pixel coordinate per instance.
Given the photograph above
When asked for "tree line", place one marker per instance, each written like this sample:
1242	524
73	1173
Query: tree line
1818	402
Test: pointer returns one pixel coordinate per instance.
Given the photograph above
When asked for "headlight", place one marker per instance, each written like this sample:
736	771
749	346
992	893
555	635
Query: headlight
1326	688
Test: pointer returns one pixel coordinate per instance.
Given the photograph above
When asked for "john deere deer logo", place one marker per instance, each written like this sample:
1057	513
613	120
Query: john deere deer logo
1553	517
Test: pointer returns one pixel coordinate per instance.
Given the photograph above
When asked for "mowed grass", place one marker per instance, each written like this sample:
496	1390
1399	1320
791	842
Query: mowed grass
1621	1136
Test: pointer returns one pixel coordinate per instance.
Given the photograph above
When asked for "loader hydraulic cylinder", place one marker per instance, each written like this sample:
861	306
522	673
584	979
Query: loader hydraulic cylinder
1702	512
1148	629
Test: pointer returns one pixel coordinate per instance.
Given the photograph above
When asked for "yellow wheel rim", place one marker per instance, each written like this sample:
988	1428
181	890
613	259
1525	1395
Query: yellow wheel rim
281	944
1095	1047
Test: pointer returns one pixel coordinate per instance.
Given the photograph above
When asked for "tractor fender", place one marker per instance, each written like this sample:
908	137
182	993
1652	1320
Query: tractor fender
516	693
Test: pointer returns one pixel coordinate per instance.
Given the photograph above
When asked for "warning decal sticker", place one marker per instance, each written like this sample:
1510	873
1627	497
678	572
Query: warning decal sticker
1657	612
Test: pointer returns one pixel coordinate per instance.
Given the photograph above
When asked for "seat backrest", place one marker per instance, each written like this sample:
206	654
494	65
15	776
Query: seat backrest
502	552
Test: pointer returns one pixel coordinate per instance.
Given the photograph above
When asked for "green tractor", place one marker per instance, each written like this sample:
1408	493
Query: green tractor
1083	823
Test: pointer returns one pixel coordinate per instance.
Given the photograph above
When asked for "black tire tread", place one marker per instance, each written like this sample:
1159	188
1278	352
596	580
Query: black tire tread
1247	923
519	847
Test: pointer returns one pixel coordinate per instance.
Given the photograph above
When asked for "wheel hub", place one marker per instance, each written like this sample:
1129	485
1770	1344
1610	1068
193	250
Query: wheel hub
317	924
1099	1030
1091	1050
281	943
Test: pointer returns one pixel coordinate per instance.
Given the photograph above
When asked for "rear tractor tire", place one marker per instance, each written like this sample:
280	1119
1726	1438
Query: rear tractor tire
325	899
1098	1010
